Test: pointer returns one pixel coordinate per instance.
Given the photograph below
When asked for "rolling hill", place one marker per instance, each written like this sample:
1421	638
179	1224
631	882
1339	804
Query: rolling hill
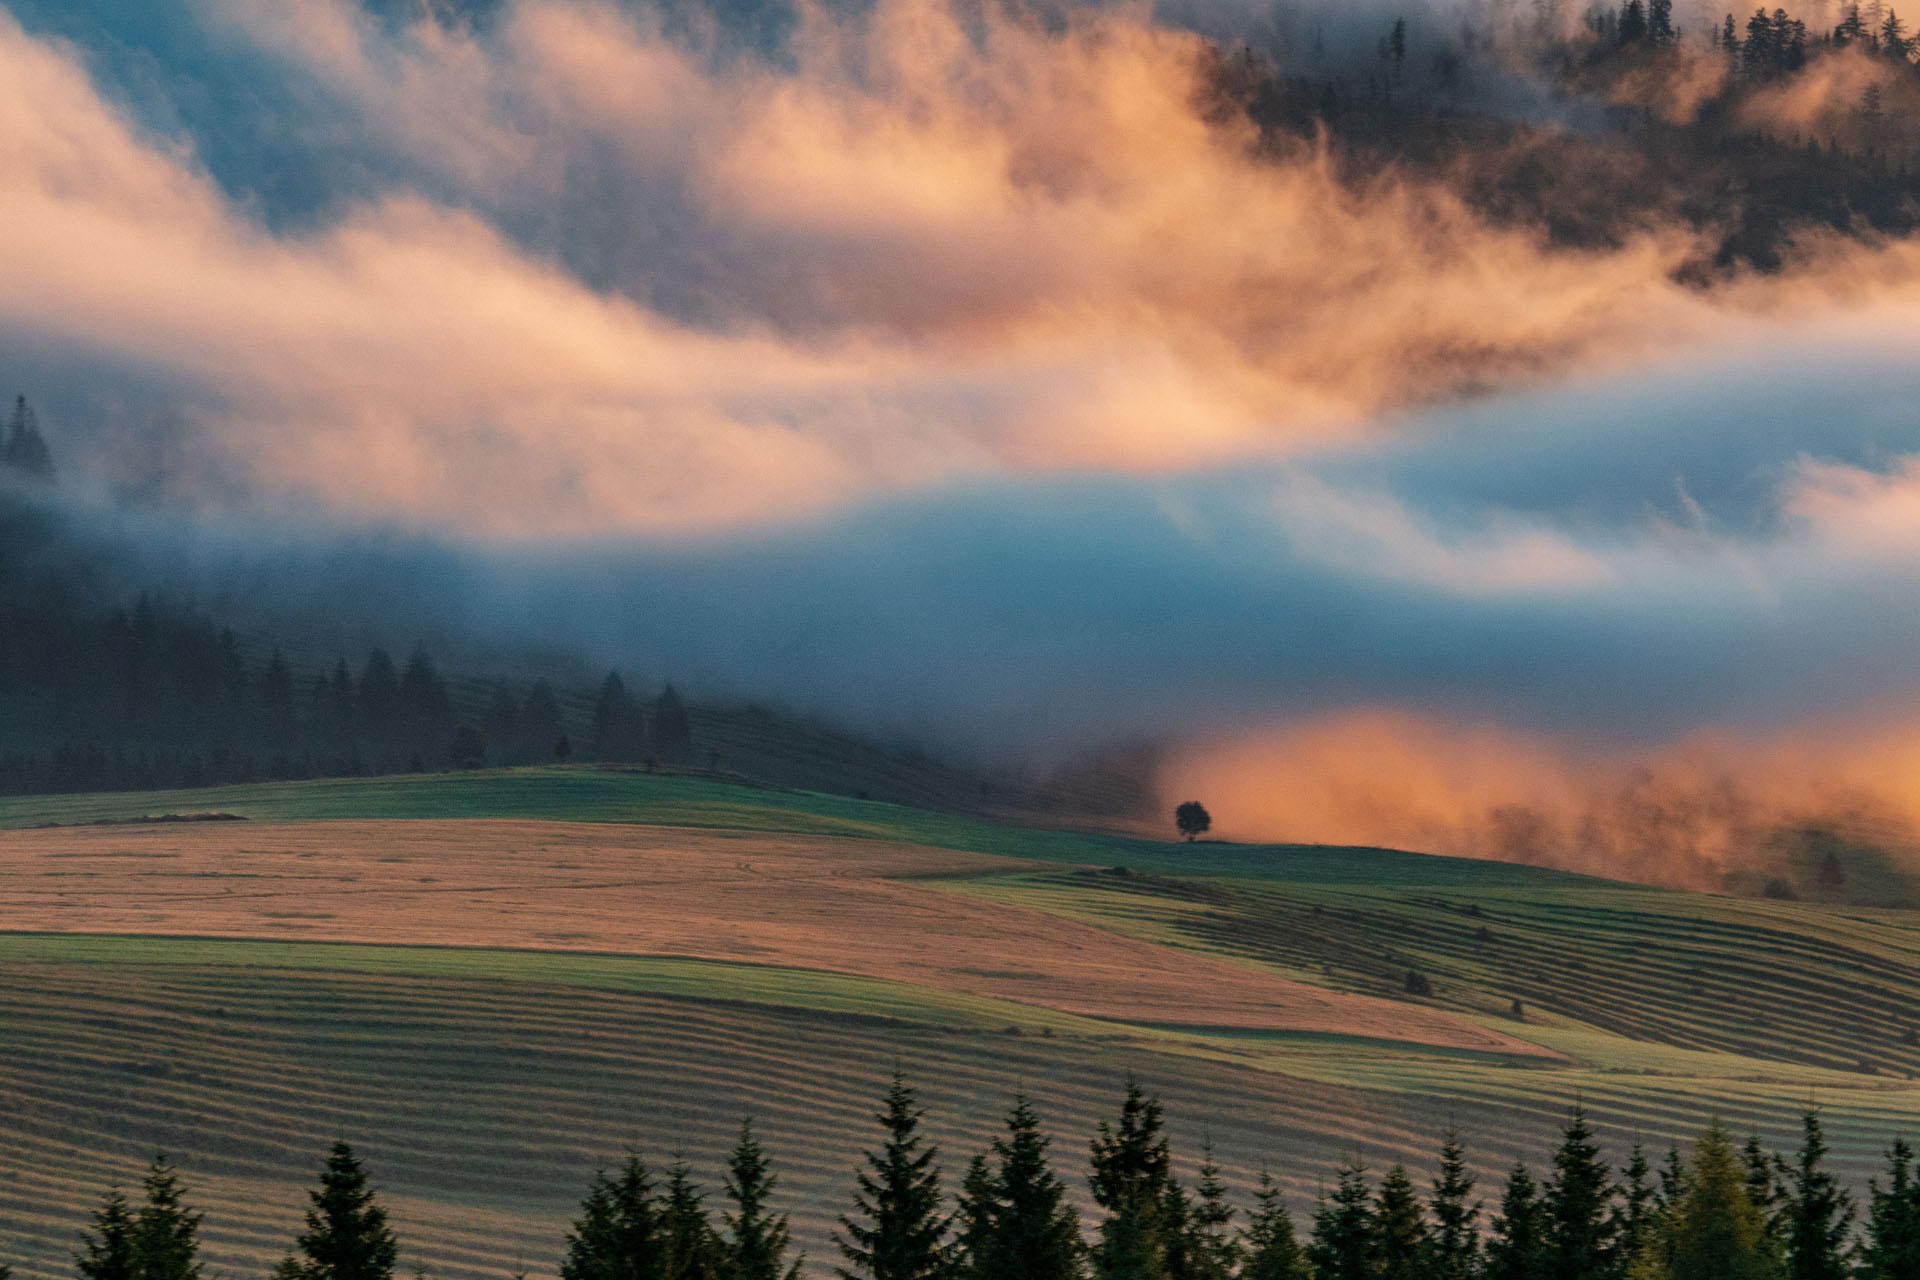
494	981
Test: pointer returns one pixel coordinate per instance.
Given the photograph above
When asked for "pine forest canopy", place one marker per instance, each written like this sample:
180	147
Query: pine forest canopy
1430	105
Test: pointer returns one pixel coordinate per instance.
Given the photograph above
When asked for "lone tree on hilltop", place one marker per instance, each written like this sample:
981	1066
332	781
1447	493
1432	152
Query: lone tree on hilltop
1193	819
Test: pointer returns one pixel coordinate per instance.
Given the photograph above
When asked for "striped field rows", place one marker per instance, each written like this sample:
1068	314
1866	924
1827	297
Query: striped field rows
483	1104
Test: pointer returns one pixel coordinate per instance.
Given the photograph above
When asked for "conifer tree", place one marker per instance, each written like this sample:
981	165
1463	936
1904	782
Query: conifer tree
541	725
1820	1212
1766	1187
468	747
229	694
1891	1250
339	719
1673	1181
1454	1251
166	1233
273	703
1517	1249
619	729
756	1241
1269	1245
672	730
1894	42
1015	1221
501	724
973	1219
1132	1179
1718	1232
1633	22
1212	1252
379	699
426	708
619	1234
896	1231
347	1236
1341	1247
1577	1206
1637	1230
1660	22
1178	1261
1399	1229
106	1252
25	449
693	1250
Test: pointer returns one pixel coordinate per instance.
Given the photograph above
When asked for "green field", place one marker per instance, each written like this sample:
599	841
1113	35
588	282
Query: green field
616	794
484	1085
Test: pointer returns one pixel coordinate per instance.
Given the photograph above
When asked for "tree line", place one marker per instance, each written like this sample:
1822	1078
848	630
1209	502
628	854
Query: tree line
1718	1211
153	699
158	695
99	695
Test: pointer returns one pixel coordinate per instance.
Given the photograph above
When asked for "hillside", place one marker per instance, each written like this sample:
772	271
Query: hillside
564	962
109	681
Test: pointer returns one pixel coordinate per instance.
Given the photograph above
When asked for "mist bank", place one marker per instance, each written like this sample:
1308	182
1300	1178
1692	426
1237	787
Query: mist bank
1642	642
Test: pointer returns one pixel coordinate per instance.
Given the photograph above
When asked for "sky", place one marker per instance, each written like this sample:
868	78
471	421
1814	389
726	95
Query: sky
954	370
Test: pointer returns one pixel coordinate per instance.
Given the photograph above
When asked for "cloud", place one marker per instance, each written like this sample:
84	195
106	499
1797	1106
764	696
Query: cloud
1709	811
1373	534
972	376
1825	103
615	275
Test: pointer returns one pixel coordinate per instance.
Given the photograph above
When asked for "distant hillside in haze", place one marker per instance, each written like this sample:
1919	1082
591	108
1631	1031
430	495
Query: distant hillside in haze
105	690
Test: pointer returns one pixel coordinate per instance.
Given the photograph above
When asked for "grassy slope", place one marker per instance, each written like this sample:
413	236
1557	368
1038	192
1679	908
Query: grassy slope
487	1083
485	1086
596	794
1768	981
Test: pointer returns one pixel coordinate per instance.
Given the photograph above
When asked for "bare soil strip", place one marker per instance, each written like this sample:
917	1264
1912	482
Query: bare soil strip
848	906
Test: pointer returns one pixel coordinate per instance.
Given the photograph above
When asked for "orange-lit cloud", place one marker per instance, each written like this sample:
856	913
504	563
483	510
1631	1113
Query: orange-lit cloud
1689	815
646	282
1826	103
1673	84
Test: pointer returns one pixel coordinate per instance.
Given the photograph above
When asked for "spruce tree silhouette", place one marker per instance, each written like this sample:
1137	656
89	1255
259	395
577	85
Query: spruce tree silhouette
896	1230
25	449
347	1237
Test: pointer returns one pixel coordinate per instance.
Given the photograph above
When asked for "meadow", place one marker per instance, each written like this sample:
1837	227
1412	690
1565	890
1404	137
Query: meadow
493	982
